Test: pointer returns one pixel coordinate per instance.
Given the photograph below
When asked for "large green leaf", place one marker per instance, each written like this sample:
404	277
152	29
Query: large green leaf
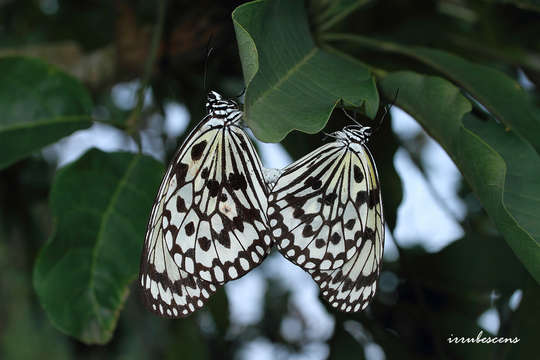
291	83
502	96
101	205
39	105
502	169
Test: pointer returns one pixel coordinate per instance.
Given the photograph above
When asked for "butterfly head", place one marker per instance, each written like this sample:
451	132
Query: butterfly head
354	133
216	106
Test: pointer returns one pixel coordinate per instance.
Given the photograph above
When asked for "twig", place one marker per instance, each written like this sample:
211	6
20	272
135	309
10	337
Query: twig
132	123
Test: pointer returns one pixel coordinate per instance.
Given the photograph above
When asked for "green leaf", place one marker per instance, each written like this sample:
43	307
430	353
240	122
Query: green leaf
101	205
501	168
502	96
331	12
39	105
291	83
474	276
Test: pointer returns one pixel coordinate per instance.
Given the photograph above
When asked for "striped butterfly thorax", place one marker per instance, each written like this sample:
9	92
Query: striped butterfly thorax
208	223
325	212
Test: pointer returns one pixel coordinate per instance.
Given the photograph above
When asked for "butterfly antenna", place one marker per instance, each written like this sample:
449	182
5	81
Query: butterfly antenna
327	135
209	50
386	110
351	117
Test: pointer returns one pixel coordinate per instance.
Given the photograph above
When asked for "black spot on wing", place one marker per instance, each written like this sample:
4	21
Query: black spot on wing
350	224
313	183
361	198
238	223
319	243
180	170
224	239
213	187
197	150
335	239
369	234
190	282
298	213
329	199
358	174
204	173
180	205
373	198
190	228
237	181
348	284
204	243
307	231
190	253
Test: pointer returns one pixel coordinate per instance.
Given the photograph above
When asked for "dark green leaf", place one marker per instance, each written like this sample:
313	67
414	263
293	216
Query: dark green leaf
291	83
39	105
502	96
461	270
101	205
502	169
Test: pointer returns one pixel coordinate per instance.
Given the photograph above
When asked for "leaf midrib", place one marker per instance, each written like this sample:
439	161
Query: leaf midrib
50	121
287	75
105	218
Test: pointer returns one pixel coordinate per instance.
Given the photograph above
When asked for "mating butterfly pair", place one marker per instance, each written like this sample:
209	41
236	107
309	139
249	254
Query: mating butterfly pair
216	216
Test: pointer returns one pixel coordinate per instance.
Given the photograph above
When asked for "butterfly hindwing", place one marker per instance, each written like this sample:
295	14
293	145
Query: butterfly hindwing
168	290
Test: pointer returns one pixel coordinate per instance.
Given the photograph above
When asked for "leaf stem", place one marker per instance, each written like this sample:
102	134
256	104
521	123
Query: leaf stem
378	72
360	40
132	122
328	20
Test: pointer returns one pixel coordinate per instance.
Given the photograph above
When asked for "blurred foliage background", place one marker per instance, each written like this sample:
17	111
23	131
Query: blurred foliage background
423	298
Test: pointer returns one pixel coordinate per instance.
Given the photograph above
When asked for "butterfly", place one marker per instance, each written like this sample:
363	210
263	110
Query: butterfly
326	216
208	223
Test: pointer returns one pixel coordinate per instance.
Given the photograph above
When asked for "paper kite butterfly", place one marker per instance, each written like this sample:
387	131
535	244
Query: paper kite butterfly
326	216
208	223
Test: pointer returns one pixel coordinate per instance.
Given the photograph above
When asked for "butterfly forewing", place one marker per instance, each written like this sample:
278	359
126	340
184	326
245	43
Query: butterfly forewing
319	205
208	223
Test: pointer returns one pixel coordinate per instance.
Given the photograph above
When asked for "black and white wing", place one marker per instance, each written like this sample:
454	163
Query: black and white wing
208	223
319	206
325	213
168	290
351	287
